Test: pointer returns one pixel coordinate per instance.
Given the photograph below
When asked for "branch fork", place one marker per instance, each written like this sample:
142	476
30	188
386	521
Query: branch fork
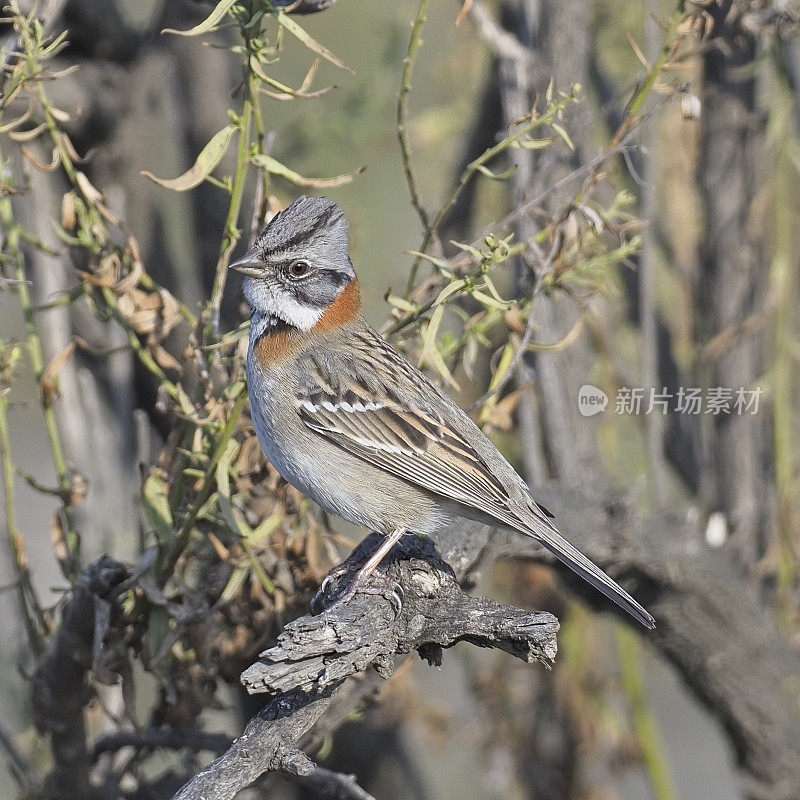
316	654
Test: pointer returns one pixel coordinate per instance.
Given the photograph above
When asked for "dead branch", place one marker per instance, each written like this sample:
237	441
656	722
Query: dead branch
315	655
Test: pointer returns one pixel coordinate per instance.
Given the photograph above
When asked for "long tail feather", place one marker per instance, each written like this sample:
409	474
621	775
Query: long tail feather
591	573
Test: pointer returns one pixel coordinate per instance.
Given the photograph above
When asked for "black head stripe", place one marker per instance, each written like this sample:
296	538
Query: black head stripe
299	223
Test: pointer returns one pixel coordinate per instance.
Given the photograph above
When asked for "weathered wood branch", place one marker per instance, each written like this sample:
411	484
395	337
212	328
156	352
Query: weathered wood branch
710	624
315	655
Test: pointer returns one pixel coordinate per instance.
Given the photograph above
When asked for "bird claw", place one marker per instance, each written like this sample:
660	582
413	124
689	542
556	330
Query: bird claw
378	583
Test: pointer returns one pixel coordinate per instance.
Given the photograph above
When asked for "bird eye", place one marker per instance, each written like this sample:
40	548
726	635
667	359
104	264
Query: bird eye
299	268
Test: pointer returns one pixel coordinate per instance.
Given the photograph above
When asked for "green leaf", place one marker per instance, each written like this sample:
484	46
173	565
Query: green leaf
496	176
449	290
430	352
312	44
209	23
265	528
238	577
535	144
491	302
401	303
563	134
157	511
442	263
269	586
489	284
275	167
235	522
208	159
468	248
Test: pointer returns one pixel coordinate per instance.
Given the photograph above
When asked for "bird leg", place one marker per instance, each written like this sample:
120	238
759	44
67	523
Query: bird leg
361	581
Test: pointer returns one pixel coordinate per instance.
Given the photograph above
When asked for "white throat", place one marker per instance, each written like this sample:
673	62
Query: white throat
267	303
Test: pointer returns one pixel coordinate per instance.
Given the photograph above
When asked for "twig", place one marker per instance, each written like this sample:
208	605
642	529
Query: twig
335	785
459	263
205	490
655	424
528	123
530	326
171	738
16	546
315	655
414	43
231	234
36	355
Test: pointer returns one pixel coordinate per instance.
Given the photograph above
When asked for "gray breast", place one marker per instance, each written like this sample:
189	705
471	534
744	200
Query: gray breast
338	481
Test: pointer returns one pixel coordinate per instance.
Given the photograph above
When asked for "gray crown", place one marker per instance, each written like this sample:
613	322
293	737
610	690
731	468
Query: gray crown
314	224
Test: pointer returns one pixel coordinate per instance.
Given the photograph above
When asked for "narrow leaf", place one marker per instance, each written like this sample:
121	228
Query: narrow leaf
449	290
489	301
238	577
312	44
534	144
157	511
496	176
563	134
236	524
275	167
208	159
401	303
437	262
208	24
430	352
265	528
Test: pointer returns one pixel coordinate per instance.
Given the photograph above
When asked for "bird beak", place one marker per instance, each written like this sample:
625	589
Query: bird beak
248	264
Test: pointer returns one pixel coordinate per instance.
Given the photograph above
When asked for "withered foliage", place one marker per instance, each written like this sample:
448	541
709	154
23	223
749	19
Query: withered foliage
230	552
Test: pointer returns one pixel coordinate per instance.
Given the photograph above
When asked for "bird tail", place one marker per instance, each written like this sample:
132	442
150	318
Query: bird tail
591	573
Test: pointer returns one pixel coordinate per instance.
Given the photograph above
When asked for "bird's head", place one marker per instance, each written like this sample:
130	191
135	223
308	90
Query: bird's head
299	264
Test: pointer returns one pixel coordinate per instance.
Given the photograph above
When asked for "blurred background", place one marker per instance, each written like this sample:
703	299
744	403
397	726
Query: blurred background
681	281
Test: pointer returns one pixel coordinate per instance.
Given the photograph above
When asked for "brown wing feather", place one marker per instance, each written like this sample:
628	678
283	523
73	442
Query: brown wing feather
417	448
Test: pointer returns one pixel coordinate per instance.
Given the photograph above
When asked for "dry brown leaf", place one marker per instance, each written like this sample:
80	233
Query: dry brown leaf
68	216
130	280
58	539
56	160
164	358
149	312
48	384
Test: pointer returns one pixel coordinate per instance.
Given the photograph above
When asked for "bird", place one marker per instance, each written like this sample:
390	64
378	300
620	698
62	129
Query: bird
352	424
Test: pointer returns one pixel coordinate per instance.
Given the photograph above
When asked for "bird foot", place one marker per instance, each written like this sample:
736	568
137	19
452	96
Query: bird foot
374	582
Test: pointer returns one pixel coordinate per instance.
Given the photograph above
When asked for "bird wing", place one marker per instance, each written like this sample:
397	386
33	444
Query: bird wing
379	408
383	410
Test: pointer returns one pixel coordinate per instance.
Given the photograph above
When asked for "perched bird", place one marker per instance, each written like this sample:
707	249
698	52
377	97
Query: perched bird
351	423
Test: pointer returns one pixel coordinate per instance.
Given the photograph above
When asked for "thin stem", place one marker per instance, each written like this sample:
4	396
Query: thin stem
640	96
205	490
784	286
231	234
259	213
15	540
644	725
511	140
414	43
648	303
36	355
